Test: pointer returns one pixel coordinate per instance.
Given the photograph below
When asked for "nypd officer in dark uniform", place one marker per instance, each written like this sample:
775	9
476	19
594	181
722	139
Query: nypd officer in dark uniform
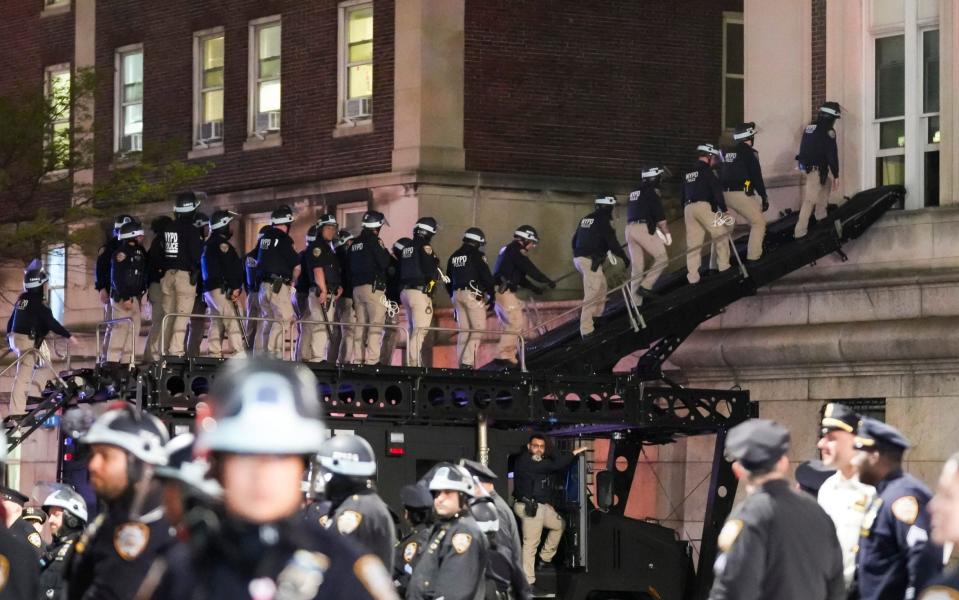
68	517
419	271
594	239
369	260
472	290
742	179
513	270
394	289
454	562
344	342
348	465
301	301
505	579
179	247
896	558
485	478
647	231
20	528
101	275
154	289
778	543
418	508
818	153
129	273
22	573
704	212
277	267
223	279
323	270
252	289
197	329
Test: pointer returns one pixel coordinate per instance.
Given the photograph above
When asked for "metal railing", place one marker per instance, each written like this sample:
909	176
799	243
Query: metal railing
285	326
104	357
406	333
499	332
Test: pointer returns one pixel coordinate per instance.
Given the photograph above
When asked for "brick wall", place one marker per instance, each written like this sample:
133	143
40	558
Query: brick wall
818	55
591	88
308	152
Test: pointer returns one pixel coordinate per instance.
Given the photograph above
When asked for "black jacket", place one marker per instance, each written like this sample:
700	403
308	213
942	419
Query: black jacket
742	166
531	478
221	265
31	316
514	269
702	185
595	236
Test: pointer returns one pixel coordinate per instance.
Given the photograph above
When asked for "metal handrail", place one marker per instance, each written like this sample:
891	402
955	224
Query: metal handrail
406	353
41	363
287	328
519	335
110	324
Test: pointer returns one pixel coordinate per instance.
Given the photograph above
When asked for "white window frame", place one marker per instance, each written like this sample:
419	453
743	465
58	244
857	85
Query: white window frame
48	75
735	18
254	75
56	287
343	72
342	210
118	103
199	37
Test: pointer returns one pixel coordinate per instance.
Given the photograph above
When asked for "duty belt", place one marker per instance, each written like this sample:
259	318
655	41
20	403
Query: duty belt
734	189
273	278
643	221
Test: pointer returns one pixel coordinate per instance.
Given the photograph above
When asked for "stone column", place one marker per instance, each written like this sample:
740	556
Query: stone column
949	92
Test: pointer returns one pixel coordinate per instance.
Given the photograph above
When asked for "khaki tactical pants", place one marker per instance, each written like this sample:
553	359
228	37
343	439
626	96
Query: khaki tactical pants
178	297
304	342
23	380
197	329
640	240
814	198
279	306
252	327
699	221
370	310
155	296
122	334
219	304
104	349
470	314
319	337
419	313
750	207
343	346
594	294
509	309
546	516
390	337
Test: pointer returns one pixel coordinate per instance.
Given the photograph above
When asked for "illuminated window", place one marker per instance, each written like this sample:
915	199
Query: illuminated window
129	100
734	71
57	141
356	63
265	67
208	86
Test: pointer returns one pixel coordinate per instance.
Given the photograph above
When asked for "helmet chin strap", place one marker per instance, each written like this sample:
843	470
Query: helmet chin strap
140	475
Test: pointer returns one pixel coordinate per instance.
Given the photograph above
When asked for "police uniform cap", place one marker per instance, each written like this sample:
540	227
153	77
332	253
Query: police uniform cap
11	495
811	474
129	231
757	444
416	496
876	435
478	470
839	417
34	514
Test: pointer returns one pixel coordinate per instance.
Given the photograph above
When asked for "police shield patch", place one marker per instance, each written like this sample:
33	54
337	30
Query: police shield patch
34	539
121	257
906	509
409	552
4	571
130	540
940	593
461	542
302	577
347	522
317	252
224	248
728	535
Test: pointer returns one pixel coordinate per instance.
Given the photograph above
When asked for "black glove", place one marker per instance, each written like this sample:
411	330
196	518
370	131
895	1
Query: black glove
626	262
552	285
765	204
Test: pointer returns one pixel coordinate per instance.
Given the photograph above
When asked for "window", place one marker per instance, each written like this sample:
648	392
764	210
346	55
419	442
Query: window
57	140
734	70
890	103
350	216
208	86
265	47
356	60
57	272
129	100
930	116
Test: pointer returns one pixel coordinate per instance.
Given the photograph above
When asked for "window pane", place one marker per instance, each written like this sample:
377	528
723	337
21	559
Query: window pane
890	77
932	135
890	170
930	71
269	96
59	95
269	41
133	92
132	68
361	81
360	27
734	48
892	135
213	78
734	102
213	52
132	119
362	52
270	68
931	179
213	106
57	266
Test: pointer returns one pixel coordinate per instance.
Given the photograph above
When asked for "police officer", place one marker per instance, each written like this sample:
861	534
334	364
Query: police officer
418	511
453	565
128	282
394	287
705	212
842	495
647	231
896	558
223	280
301	293
778	543
348	465
101	274
594	239
326	286
534	502
28	325
252	290
68	517
484	478
277	267
419	272
178	247
154	290
944	517
473	292
343	346
818	152
22	572
22	530
742	179
514	269
35	516
198	325
369	260
115	552
268	425
504	576
184	480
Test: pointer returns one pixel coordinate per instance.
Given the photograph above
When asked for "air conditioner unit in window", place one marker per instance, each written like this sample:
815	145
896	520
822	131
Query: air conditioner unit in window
273	121
211	132
359	108
132	143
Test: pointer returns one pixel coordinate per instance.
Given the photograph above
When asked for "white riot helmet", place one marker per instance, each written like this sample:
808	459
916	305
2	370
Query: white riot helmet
704	149
141	435
484	511
605	200
449	477
348	455
69	500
